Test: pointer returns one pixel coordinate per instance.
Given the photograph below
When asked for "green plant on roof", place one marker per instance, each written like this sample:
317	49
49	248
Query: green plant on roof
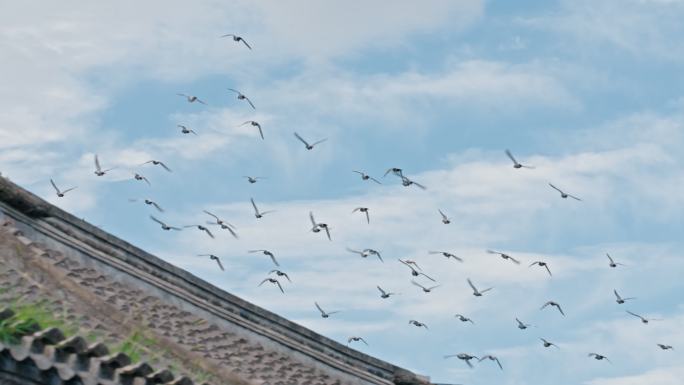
28	318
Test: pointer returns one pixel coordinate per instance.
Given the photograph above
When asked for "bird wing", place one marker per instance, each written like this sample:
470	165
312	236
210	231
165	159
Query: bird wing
156	206
493	252
206	230
419	185
319	308
262	282
261	133
381	291
545	305
232	232
157	220
213	215
549	270
320	141
280	287
574	197
256	210
486	290
273	259
313	221
327	232
69	189
610	258
227	35
97	163
636	315
616	294
245	43
556	188
417	284
560	309
218	261
442	214
250	102
427	276
165	166
301	139
54	186
517	262
234	90
471	285
375	180
379	257
367	217
364	341
511	157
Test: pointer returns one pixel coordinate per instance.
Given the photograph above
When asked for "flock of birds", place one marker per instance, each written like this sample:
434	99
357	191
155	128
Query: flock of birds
275	276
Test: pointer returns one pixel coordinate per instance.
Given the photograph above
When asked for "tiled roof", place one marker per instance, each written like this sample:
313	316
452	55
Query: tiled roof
48	357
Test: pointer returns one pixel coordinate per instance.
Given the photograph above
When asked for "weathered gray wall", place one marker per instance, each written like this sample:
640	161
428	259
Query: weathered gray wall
187	312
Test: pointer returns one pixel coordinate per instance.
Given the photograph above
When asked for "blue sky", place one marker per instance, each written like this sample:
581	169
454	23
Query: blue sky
589	92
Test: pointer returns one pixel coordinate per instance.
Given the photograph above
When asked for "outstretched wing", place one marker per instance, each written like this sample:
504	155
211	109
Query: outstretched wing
319	308
375	180
157	220
301	139
471	285
97	163
511	157
256	210
54	186
69	189
245	43
250	102
320	141
220	265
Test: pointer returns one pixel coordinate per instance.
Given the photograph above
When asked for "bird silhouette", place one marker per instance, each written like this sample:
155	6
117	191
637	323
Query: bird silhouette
542	264
445	219
273	281
98	169
478	293
365	176
418	324
158	163
447	255
363	210
164	226
463	318
564	194
60	193
259	214
255	124
465	357
552	303
516	164
241	96
323	313
491	358
280	274
266	252
504	256
354	338
306	144
385	294
425	289
619	299
237	39
643	319
598	357
148	202
213	258
192	99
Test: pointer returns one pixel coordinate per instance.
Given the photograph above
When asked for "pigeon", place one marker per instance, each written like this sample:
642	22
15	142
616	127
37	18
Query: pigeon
350	339
643	320
317	226
445	219
363	210
306	144
366	252
412	263
394	170
408	182
425	289
266	252
201	228
258	214
255	124
164	226
323	313
463	318
665	347
521	325
158	163
186	130
253	179
447	255
385	294
612	263
137	176
237	39
415	272
365	176
515	162
98	170
148	202
542	264
59	192
418	324
478	293
224	225
548	344
491	358
273	281
465	357
598	357
192	99
551	303
619	299
564	194
213	258
280	274
241	96
504	256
